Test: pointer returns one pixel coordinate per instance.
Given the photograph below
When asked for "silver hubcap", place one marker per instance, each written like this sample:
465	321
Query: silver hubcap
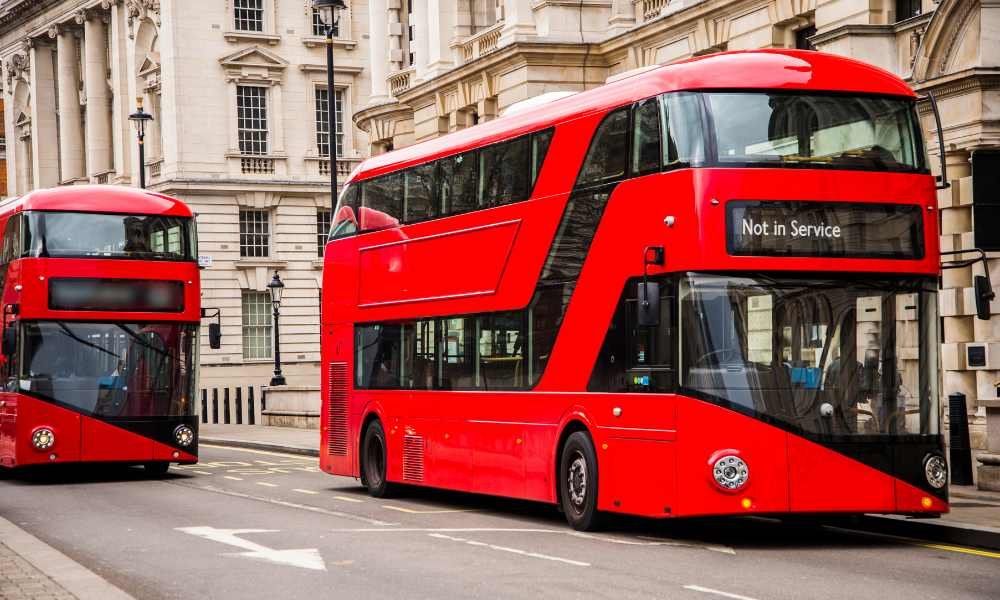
577	480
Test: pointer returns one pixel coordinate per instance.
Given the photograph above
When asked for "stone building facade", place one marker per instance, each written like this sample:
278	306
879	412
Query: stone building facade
442	65
237	90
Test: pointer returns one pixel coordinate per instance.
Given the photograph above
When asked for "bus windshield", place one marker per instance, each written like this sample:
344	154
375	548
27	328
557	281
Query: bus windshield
92	235
110	369
815	131
823	355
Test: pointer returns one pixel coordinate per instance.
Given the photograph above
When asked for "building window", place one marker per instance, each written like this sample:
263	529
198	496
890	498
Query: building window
323	121
322	229
319	27
256	325
802	38
251	114
906	9
249	15
255	234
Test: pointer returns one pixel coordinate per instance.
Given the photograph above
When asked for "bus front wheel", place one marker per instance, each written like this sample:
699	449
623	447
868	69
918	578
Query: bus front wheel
374	460
578	482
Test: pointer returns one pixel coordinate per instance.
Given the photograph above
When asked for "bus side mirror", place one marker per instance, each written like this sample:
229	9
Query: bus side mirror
648	313
214	336
9	339
984	295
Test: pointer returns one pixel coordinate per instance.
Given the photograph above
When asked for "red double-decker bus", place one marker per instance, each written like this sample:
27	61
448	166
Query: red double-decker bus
101	307
705	289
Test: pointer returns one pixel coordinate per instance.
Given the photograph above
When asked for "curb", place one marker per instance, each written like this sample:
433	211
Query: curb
932	530
73	577
255	445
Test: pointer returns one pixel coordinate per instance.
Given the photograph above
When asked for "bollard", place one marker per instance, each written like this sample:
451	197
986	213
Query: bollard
239	406
204	406
250	416
959	448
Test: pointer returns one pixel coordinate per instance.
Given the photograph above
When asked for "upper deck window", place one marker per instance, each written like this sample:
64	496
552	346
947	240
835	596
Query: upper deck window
490	176
815	131
90	235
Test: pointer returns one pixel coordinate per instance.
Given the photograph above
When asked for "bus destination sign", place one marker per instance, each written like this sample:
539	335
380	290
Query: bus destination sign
826	229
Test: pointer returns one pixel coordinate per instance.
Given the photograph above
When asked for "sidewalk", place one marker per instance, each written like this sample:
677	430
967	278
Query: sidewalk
974	519
31	569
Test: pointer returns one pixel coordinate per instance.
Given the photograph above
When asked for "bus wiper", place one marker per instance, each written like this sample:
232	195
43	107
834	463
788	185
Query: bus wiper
66	331
142	342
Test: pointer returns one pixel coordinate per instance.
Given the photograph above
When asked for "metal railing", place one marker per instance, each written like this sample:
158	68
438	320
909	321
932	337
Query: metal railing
233	406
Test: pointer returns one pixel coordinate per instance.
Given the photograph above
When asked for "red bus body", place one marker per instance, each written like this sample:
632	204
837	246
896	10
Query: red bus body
655	451
111	383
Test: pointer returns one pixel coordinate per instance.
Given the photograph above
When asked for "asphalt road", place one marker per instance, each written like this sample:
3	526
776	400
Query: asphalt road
252	524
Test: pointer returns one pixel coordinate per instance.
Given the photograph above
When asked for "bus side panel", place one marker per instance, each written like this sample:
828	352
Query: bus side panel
8	428
65	424
703	430
104	442
816	475
636	476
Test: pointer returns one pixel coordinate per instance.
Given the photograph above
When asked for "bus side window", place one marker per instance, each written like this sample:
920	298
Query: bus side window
459	180
421	193
683	129
646	153
11	246
382	202
345	222
607	157
539	148
504	172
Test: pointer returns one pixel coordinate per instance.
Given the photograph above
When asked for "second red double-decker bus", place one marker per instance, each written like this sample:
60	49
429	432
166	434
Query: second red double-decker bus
705	289
101	307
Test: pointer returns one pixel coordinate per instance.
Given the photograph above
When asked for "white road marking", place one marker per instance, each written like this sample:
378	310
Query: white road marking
201	472
427	512
305	558
302	491
316	509
705	590
349	499
567	561
266	484
233	478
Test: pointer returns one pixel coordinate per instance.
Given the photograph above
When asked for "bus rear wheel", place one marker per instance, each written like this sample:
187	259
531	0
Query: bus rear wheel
374	455
156	469
578	482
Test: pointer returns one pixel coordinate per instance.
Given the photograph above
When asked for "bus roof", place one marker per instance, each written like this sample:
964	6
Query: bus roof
98	199
751	69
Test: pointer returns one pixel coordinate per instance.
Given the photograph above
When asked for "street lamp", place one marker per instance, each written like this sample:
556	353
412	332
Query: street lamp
275	288
139	118
329	13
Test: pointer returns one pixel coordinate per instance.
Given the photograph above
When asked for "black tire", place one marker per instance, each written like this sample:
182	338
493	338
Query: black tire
156	469
374	458
578	482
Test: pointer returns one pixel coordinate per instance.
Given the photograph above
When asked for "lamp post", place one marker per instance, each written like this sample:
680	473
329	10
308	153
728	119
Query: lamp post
329	13
139	118
275	288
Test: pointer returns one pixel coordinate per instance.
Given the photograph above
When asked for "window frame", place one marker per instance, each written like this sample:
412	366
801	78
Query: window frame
264	21
259	300
269	233
264	106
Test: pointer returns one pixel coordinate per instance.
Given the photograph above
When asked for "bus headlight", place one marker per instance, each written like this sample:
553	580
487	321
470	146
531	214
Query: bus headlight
936	471
730	472
43	438
184	435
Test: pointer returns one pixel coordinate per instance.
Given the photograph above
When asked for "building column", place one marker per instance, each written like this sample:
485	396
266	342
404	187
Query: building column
95	83
420	41
44	131
622	17
71	154
122	135
440	32
518	21
378	44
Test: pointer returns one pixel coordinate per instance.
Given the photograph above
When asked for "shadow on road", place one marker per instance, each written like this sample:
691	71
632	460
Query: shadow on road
40	475
756	532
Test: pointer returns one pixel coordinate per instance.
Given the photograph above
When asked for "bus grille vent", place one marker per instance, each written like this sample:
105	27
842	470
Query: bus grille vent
413	458
336	414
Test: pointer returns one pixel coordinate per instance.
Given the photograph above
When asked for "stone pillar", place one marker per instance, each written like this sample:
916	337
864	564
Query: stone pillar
622	17
122	135
440	32
71	155
95	81
519	21
378	45
420	38
45	133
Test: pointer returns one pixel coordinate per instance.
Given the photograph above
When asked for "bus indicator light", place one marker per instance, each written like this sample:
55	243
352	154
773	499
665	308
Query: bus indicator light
746	503
926	502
